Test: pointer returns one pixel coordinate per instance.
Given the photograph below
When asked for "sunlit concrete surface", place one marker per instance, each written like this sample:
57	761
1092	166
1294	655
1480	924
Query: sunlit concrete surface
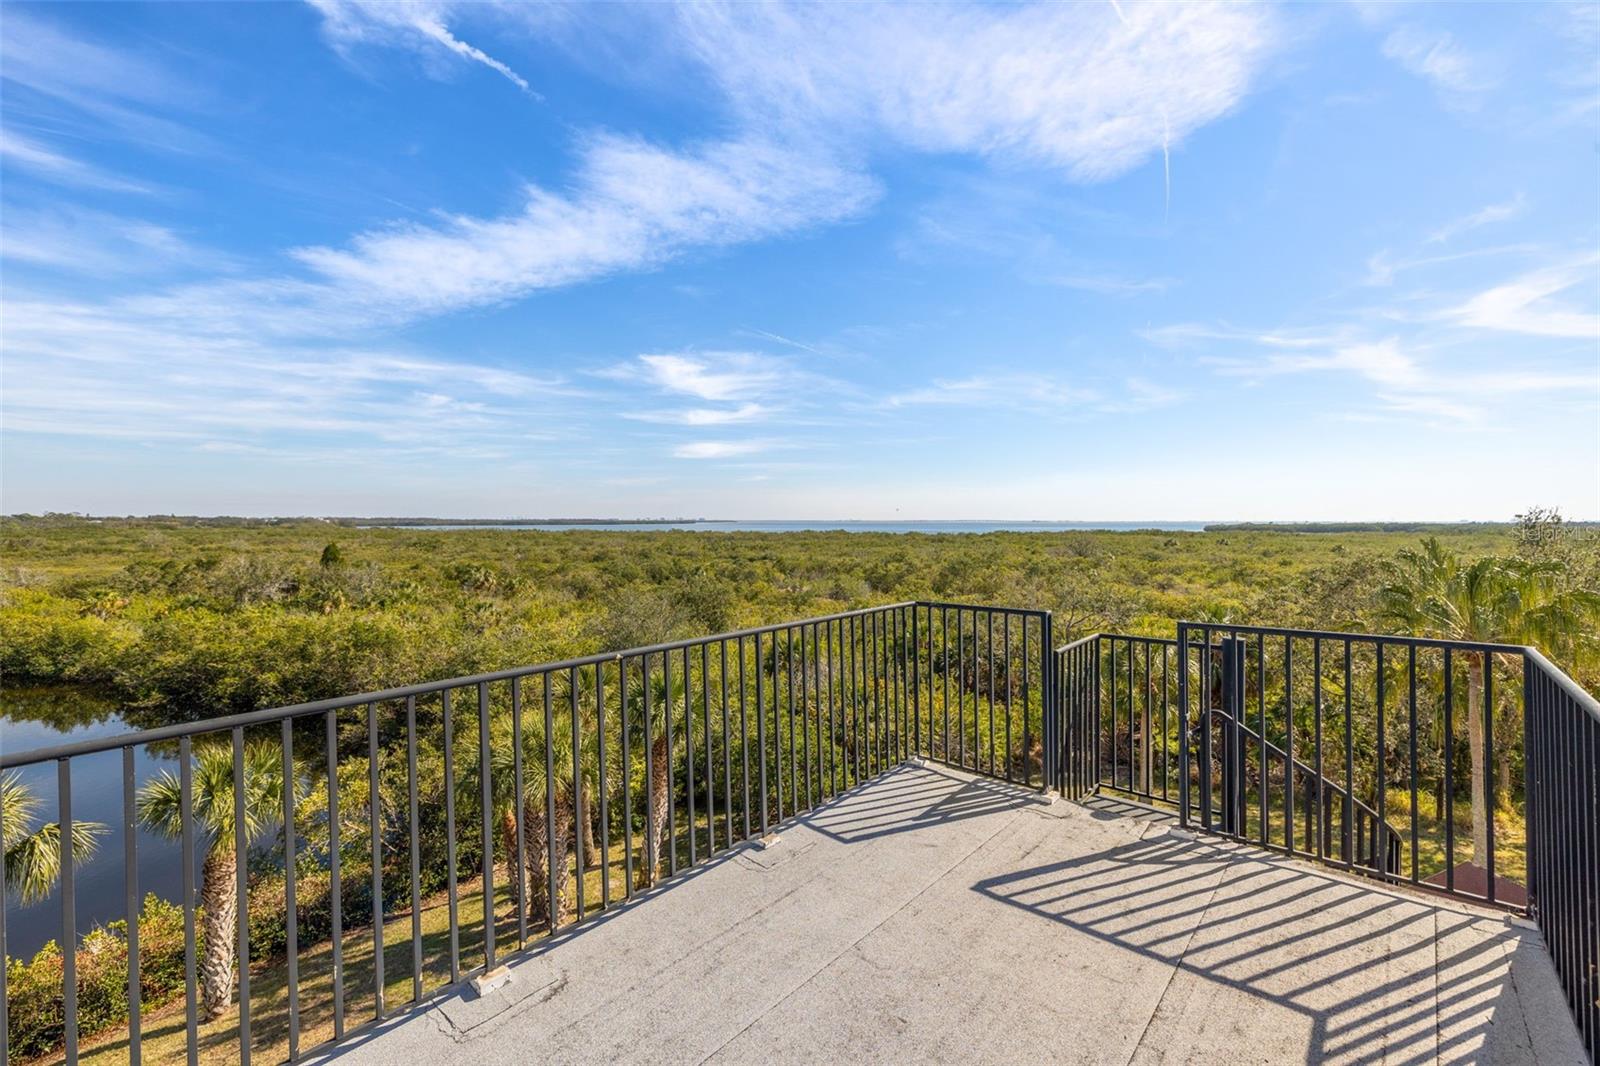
931	916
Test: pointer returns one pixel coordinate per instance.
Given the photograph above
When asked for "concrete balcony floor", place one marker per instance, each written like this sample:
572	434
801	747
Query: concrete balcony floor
933	916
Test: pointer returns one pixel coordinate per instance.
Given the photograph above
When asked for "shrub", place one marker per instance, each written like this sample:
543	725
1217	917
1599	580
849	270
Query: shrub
35	1019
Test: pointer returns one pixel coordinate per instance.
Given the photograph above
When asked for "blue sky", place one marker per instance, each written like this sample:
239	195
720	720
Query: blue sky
1095	261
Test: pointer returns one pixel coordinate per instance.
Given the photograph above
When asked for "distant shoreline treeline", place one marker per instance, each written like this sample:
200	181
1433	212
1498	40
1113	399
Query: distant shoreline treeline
56	518
1370	527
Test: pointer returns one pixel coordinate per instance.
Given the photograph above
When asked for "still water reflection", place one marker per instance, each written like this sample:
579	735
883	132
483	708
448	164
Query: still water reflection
40	717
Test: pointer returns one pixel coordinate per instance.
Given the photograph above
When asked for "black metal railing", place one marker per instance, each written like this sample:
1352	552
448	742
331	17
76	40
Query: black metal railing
1563	784
1369	729
436	829
535	798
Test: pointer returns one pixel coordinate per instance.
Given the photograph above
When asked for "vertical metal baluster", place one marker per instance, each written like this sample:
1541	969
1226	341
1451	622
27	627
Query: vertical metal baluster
1488	768
1261	738
1005	657
604	788
1449	773
330	728
519	876
744	739
761	732
794	789
291	920
69	910
375	819
989	653
1112	677
672	793
914	683
1147	720
1183	725
1166	722
830	676
944	676
450	834
552	900
1380	855
902	695
961	690
805	718
627	775
835	639
580	810
1288	758
1321	781
705	729
727	748
977	699
652	846
241	873
1347	835
1027	738
1206	714
186	812
688	752
486	829
1411	684
130	885
858	697
414	813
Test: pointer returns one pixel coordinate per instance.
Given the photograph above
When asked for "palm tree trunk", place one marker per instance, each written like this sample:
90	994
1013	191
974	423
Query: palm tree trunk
220	905
538	863
655	825
591	854
1475	745
540	840
518	874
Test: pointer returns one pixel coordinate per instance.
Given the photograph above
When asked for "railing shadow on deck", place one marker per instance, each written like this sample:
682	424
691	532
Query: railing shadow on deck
1151	897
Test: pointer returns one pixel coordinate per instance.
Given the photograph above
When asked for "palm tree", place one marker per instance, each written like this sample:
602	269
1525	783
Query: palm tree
531	886
33	854
664	701
213	812
1433	592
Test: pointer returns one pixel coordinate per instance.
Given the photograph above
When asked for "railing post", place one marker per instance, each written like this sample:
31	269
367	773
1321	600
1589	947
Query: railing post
1050	717
1183	724
1530	825
916	686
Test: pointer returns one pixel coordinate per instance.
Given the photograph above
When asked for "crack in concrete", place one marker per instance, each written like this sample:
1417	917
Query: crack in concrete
1177	965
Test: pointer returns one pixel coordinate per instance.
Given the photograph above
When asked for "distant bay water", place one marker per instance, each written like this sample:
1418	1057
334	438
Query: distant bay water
804	526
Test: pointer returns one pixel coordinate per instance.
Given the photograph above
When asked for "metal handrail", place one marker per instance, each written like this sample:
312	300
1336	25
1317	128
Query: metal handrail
272	715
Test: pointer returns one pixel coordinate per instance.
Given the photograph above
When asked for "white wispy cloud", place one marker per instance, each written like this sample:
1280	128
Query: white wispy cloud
98	243
38	158
1527	304
732	387
1384	267
420	26
95	90
1487	215
1066	85
1405	382
1037	393
632	205
1439	58
720	449
712	376
995	390
704	416
77	368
